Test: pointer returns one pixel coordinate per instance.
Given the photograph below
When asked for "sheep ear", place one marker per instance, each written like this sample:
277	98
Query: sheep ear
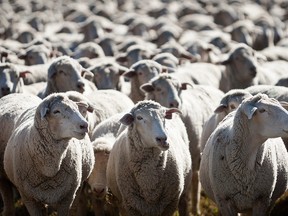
127	119
220	108
23	74
122	69
130	73
121	58
249	110
43	112
284	104
227	61
184	86
164	70
168	113
147	87
87	73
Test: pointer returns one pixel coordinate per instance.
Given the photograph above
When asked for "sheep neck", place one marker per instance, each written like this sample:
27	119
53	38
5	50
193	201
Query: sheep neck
147	165
136	94
51	87
232	74
52	151
244	153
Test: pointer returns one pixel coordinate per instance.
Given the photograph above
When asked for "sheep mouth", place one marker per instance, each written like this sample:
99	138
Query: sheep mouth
79	135
164	146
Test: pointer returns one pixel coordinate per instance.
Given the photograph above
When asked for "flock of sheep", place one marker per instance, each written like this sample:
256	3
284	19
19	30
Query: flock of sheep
136	106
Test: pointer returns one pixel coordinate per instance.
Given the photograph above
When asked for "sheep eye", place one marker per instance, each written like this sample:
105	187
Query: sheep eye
262	110
56	111
232	106
158	89
62	72
140	73
139	118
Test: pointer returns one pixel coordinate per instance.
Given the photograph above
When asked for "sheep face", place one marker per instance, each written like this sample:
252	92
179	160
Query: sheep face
164	90
149	122
97	179
268	118
143	71
64	119
9	80
36	55
106	76
244	62
67	75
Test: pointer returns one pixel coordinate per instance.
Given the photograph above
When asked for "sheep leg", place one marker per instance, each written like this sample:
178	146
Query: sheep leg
261	208
7	197
225	207
183	207
195	193
34	208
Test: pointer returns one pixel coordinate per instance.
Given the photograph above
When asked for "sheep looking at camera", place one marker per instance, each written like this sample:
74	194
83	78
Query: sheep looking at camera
196	103
149	167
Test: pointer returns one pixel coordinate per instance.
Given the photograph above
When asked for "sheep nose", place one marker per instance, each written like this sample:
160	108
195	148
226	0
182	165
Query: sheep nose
174	104
253	71
162	142
161	139
80	86
99	191
84	127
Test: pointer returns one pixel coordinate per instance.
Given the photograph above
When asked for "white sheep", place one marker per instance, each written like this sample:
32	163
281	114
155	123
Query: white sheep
149	167
49	154
238	71
103	138
66	74
244	164
139	73
11	81
108	75
11	107
196	105
230	101
106	103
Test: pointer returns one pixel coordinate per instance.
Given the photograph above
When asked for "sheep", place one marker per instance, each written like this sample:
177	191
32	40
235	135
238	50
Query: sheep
49	146
238	71
244	164
230	101
273	53
11	107
149	167
167	60
108	75
34	73
170	92
36	54
103	138
65	74
134	54
88	49
106	103
140	73
11	81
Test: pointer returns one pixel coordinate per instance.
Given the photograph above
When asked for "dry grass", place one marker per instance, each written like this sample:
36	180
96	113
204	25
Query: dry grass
208	208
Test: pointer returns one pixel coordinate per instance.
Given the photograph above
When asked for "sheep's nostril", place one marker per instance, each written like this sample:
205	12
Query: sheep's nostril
161	139
174	104
84	126
80	85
